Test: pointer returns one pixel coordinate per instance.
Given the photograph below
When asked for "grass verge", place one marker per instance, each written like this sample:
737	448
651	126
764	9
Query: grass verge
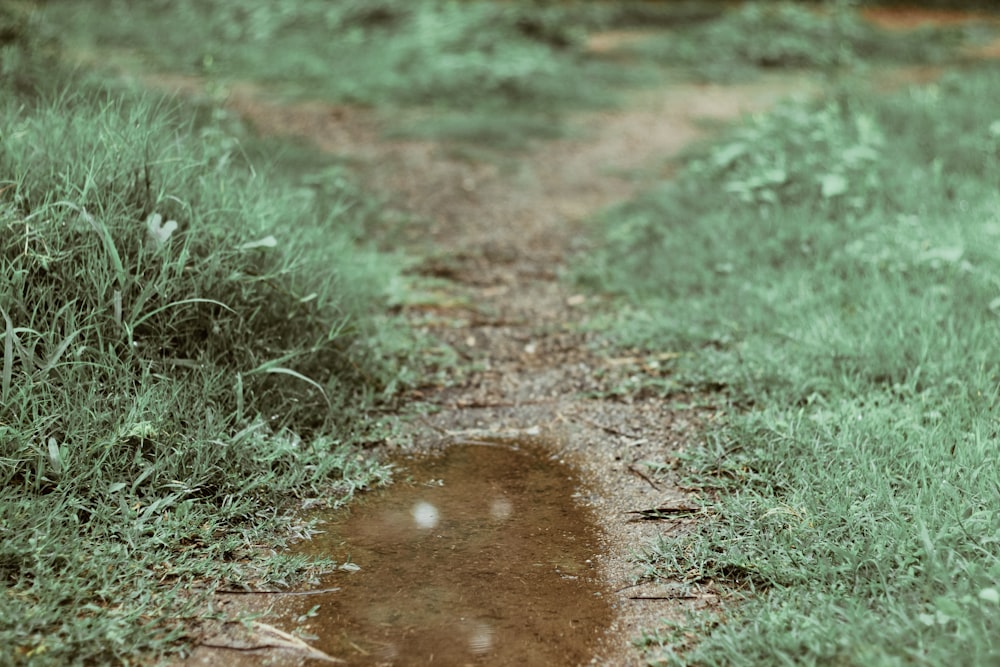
189	350
832	269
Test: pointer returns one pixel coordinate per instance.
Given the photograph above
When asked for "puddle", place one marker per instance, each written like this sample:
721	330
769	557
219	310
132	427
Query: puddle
483	559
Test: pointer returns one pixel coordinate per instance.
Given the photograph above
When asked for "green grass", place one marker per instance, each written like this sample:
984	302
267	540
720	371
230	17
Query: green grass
831	273
487	73
169	393
190	347
780	35
475	65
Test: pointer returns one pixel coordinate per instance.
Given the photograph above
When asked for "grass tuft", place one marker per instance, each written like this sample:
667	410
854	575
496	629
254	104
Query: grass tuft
189	348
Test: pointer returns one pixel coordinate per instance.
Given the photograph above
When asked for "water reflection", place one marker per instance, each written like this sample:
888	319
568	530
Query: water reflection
450	575
481	640
425	515
501	508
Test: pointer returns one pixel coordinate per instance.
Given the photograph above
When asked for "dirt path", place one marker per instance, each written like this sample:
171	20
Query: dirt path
503	234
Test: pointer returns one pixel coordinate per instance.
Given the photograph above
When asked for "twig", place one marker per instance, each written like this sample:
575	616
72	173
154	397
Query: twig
667	513
480	405
644	476
663	597
255	647
623	361
484	443
485	324
318	591
635	585
678	596
607	429
279	639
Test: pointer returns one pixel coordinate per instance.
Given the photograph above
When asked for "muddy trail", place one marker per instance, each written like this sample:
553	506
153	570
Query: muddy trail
498	237
502	234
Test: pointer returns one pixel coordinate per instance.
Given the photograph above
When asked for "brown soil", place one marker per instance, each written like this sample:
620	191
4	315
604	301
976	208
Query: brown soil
912	18
503	234
902	19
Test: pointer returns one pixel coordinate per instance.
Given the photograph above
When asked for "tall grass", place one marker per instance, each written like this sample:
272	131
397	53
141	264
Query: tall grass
189	349
833	270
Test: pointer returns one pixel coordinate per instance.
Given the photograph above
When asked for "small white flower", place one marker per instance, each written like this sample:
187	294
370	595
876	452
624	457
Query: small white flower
159	231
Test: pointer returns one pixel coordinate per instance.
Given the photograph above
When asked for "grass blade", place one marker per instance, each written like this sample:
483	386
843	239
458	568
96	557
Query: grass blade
109	243
174	304
8	355
63	346
295	374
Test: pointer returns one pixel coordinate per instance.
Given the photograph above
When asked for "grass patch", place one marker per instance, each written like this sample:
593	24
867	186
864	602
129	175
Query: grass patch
189	350
780	35
832	270
473	64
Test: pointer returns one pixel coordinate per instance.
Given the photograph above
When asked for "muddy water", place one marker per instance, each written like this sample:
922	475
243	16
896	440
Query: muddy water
482	557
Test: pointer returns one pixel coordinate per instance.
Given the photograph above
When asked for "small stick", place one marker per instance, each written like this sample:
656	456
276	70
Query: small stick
482	443
623	361
668	597
318	591
672	597
607	429
665	513
635	585
641	474
663	597
479	405
280	640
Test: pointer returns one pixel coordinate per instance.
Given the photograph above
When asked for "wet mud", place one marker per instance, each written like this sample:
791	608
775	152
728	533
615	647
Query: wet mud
478	555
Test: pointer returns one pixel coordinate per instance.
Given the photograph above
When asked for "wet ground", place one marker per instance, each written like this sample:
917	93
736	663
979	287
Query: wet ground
481	557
